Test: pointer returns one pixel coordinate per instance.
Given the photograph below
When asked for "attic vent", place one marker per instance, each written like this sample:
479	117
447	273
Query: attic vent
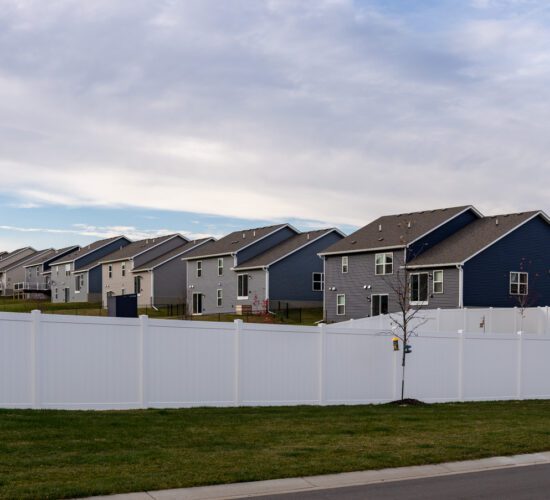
244	236
307	236
379	227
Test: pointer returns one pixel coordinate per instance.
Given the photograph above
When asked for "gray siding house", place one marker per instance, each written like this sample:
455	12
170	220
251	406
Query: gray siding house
12	270
245	270
76	277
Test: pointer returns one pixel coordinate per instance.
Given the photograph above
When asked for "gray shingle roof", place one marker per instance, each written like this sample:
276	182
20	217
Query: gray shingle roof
137	247
471	239
176	252
395	230
234	241
48	255
22	261
84	251
284	248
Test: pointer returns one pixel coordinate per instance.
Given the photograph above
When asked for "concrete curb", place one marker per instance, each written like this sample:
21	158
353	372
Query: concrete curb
299	484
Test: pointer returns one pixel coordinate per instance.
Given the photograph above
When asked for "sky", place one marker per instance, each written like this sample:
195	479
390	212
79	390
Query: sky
147	117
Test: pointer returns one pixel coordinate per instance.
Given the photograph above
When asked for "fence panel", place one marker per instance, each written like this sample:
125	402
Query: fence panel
535	367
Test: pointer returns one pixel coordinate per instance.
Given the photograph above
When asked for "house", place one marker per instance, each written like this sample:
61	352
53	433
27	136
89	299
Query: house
233	273
37	271
3	254
11	270
450	258
76	277
163	279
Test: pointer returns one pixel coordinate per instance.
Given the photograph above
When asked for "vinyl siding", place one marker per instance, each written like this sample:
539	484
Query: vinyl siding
155	252
170	282
264	244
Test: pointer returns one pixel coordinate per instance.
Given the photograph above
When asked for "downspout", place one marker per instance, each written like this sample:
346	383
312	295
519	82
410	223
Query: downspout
153	291
324	291
266	269
460	286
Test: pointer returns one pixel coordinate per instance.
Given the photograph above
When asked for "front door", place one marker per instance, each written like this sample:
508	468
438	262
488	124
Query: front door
197	303
67	294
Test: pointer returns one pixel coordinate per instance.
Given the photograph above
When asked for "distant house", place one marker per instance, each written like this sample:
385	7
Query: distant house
452	257
76	277
247	269
12	270
3	254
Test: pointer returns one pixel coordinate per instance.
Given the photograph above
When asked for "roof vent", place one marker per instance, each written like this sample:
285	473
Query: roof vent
409	224
496	221
379	227
254	233
307	236
354	242
244	236
380	239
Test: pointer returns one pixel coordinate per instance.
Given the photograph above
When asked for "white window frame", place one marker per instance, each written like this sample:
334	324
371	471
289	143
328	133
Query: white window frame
519	283
220	266
239	278
338	305
345	264
79	283
372	303
67	269
123	269
137	280
419	302
442	281
320	281
219	297
384	263
110	271
199	269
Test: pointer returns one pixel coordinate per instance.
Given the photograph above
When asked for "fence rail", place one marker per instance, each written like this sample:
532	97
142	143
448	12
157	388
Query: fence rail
52	361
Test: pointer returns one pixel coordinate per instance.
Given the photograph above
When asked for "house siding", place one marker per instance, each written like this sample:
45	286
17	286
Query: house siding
264	244
157	251
486	276
170	282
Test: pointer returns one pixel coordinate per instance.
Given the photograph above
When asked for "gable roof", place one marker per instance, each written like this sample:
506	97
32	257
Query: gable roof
473	239
172	254
86	250
7	266
137	247
396	231
2	254
48	255
283	249
236	241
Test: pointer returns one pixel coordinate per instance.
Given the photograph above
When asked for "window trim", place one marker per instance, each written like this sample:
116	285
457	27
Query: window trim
420	302
110	271
220	267
338	305
123	269
321	282
243	297
442	281
344	267
383	264
198	271
219	297
518	283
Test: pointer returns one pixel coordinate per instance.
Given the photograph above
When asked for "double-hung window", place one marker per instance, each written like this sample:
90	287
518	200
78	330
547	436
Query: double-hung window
79	282
199	268
137	284
242	286
219	297
67	269
419	289
110	270
340	304
318	282
345	264
383	263
438	282
123	269
220	266
519	283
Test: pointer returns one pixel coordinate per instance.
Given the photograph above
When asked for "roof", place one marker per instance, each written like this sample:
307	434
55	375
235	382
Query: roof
49	255
176	252
472	239
81	252
236	241
23	260
283	249
137	247
395	231
2	254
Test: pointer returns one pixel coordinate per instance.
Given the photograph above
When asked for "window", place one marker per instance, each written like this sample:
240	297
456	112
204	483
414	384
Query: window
122	291
123	268
219	297
137	284
199	268
340	304
242	286
110	270
56	269
345	264
220	266
55	293
519	283
67	269
438	281
419	288
37	271
379	305
383	263
78	282
318	284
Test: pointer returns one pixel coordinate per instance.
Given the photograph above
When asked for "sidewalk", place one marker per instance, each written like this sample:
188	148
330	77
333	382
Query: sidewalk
242	490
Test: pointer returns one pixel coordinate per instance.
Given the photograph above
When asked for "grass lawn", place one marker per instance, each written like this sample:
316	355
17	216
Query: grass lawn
61	454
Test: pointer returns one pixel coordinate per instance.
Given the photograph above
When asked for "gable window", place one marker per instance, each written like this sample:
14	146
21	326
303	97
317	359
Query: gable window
345	264
438	282
219	297
242	286
379	305
67	269
199	268
220	266
137	284
110	270
419	289
340	304
123	268
318	282
383	263
519	283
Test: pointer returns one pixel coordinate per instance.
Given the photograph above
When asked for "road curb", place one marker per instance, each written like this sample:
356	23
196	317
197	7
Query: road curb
311	483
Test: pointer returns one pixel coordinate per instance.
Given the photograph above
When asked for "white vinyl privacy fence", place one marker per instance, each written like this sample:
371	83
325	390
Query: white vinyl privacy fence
53	361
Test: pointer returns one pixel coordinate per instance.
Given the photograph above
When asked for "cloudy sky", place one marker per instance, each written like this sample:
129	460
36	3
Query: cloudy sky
202	116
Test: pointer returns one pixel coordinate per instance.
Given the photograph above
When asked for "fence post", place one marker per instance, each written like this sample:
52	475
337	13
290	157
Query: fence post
520	365
142	353
439	319
36	317
515	319
547	329
461	365
321	373
464	319
237	361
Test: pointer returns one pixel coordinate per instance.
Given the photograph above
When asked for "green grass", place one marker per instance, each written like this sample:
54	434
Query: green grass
61	454
15	305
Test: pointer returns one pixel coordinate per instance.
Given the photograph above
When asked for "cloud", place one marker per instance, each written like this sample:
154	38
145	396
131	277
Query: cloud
320	110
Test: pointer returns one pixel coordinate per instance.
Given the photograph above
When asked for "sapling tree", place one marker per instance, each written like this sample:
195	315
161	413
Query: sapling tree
522	289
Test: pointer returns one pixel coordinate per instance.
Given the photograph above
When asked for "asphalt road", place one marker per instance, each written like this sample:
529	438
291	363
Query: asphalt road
530	482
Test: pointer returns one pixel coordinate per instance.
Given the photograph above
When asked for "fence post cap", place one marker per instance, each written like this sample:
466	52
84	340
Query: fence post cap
34	312
460	331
